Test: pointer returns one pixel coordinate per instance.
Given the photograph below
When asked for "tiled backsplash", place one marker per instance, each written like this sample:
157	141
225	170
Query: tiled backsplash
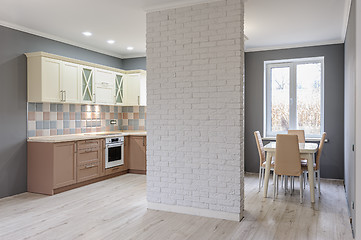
45	119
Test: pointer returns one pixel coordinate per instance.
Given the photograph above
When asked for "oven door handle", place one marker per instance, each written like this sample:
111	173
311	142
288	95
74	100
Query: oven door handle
114	145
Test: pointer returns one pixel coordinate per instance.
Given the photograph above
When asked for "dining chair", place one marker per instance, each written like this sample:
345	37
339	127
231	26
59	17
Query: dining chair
262	158
301	139
288	160
316	165
300	134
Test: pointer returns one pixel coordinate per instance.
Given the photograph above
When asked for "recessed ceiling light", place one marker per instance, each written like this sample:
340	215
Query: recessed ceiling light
88	34
110	41
130	48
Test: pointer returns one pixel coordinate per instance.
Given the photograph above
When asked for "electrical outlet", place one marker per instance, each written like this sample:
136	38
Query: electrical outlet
114	122
352	205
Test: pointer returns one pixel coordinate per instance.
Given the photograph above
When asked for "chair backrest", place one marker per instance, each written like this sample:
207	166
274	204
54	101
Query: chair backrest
288	161
300	134
261	152
319	152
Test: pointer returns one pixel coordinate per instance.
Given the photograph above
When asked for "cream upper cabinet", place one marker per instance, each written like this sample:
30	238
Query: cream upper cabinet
132	89
135	89
51	76
57	79
87	84
70	84
104	87
52	80
119	89
44	79
143	89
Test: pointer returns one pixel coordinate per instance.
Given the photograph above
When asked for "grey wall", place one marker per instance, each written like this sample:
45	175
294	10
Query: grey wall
350	99
13	45
332	163
134	63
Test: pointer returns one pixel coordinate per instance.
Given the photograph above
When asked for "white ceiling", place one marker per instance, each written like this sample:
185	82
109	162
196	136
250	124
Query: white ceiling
268	24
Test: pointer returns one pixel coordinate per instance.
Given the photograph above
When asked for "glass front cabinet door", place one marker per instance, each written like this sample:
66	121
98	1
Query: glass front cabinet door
87	89
119	89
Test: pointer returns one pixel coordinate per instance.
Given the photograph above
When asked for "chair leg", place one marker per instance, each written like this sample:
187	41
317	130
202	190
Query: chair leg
260	177
301	188
282	181
274	178
319	183
263	172
314	177
304	179
274	189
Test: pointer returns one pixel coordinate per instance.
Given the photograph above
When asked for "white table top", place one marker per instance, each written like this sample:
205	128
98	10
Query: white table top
304	147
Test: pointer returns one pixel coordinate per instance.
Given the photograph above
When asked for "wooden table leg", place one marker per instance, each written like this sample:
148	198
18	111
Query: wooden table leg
311	176
267	172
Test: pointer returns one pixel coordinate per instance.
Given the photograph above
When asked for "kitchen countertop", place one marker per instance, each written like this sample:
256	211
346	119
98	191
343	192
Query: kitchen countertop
85	136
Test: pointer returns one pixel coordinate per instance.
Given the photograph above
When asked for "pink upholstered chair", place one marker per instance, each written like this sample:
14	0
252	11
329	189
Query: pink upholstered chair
262	158
288	160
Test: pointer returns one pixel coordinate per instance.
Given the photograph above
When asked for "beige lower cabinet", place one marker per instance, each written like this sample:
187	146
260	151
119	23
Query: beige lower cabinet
64	164
137	154
89	160
51	166
56	167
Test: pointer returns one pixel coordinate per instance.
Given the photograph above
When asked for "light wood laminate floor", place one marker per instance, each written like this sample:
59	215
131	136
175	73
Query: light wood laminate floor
117	209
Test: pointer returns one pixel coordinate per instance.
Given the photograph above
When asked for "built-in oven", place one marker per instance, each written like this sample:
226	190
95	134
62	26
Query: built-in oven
114	152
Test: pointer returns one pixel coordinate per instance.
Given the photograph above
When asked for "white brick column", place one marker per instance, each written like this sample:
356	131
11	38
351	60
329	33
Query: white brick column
195	58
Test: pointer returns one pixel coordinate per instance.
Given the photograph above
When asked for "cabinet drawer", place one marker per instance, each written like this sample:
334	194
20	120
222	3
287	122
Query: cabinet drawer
88	164
88	170
86	156
88	150
89	144
115	169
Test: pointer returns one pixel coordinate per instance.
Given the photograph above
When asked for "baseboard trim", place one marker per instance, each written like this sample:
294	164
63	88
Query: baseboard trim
81	184
144	172
196	211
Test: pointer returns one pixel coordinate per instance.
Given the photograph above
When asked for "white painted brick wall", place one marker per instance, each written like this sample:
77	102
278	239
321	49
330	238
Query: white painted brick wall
195	106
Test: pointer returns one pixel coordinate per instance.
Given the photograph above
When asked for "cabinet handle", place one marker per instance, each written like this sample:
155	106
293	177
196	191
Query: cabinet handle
90	166
138	100
94	98
61	95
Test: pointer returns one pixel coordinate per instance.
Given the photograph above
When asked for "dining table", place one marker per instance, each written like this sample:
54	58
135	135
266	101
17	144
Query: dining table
307	151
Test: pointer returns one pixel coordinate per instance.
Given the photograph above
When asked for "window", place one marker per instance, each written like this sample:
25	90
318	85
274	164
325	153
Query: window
294	96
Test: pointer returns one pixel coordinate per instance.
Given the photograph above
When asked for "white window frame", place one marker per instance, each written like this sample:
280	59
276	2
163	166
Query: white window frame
292	63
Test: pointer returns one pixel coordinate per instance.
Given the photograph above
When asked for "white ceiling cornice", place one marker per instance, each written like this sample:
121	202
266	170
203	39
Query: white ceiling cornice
56	38
346	17
312	44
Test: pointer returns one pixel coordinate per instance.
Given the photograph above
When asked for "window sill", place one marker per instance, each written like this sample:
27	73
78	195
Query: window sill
307	139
